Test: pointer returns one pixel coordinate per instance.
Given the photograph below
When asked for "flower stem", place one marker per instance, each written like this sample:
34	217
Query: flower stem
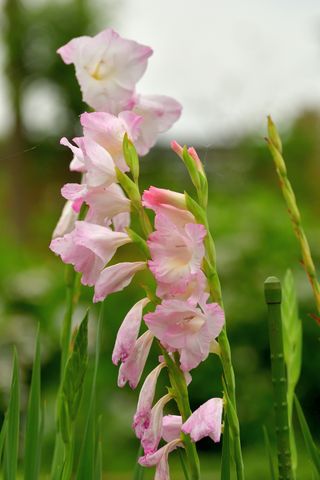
279	377
181	396
275	147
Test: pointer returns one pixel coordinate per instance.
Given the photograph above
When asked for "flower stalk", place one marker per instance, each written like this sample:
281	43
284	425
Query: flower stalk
279	377
275	147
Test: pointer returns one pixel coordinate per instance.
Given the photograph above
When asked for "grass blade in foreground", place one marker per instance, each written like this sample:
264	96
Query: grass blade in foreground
313	451
13	421
32	445
275	147
87	462
269	453
279	379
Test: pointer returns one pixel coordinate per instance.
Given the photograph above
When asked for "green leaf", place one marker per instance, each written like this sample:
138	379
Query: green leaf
313	451
138	472
139	241
3	434
130	188
13	418
72	384
98	466
131	157
269	453
226	454
197	211
292	343
87	461
33	428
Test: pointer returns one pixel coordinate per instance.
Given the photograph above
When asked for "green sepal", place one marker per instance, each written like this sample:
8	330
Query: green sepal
129	187
131	156
191	167
138	240
197	211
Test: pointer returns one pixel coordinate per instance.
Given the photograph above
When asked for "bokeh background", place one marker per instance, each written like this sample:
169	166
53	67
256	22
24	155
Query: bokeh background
230	64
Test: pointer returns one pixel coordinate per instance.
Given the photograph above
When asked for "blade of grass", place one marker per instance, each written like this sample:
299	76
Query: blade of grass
86	466
3	434
12	437
32	445
269	453
99	465
310	445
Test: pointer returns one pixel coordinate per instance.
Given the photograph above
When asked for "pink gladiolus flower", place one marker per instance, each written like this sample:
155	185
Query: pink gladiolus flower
77	163
115	278
152	435
159	113
88	248
205	421
131	370
160	459
107	68
171	204
187	329
171	427
176	253
108	131
128	332
97	163
141	419
105	203
192	292
66	221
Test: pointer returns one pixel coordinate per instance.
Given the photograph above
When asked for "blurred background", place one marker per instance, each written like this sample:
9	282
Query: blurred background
230	64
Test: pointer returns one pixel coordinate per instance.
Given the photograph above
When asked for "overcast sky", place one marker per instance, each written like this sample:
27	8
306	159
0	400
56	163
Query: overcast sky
230	62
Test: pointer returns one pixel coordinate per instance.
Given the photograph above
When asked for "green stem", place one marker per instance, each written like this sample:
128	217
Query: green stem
180	392
279	377
275	147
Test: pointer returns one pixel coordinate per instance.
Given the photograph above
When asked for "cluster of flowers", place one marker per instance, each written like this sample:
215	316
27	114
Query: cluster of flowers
108	68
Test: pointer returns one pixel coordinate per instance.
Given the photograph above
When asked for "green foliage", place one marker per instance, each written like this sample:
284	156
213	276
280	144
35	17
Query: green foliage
72	384
131	157
226	456
13	421
34	423
269	453
313	451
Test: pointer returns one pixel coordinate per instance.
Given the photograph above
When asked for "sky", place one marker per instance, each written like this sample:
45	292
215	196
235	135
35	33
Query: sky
230	63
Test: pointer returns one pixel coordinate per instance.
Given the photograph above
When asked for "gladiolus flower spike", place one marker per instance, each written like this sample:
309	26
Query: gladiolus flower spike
181	317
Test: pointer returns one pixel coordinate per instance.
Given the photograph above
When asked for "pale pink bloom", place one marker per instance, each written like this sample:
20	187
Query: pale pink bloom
97	163
155	197
89	248
187	329
107	68
66	221
176	253
131	370
159	113
77	163
141	420
108	131
205	421
121	221
192	291
171	427
160	459
168	203
128	332
115	278
176	147
152	435
105	203
100	167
